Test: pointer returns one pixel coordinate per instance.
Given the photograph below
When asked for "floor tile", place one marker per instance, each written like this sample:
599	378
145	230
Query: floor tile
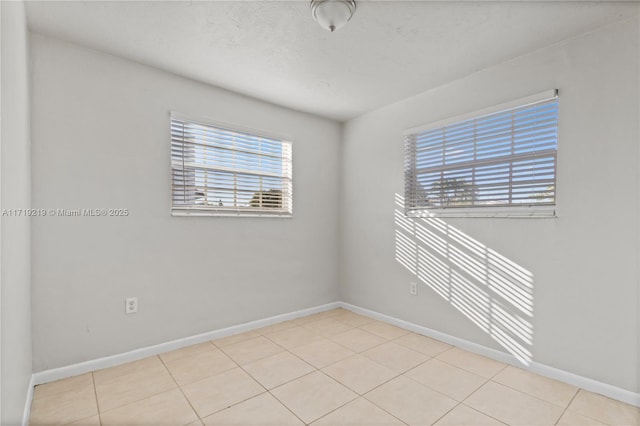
187	351
535	385
312	318
221	391
251	350
336	311
89	421
327	327
236	338
452	381
188	366
411	402
329	314
469	361
312	396
284	325
395	357
149	364
168	408
513	407
571	418
357	355
422	344
296	336
358	413
359	373
64	401
262	410
277	369
353	319
322	353
134	381
466	416
70	384
384	330
358	340
604	409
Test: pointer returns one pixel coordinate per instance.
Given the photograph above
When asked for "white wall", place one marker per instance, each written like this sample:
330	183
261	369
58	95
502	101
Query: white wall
16	194
101	140
584	263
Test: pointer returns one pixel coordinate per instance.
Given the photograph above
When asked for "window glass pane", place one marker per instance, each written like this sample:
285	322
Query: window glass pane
221	170
503	159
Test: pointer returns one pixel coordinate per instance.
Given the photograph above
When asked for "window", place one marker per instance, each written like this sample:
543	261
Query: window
499	162
219	171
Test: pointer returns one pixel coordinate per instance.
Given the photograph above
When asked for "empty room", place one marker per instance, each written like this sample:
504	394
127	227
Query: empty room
320	212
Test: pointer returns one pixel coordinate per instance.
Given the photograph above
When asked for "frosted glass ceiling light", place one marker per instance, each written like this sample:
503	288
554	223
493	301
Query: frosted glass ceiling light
332	14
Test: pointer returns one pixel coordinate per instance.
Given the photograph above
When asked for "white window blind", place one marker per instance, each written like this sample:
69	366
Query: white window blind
219	171
502	159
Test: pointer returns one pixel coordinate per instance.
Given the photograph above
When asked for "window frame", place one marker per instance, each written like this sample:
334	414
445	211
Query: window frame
212	212
505	211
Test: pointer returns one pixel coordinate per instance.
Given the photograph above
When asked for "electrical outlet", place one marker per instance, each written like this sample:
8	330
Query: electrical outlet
413	289
131	305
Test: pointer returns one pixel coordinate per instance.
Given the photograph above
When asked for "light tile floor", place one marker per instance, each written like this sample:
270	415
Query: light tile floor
333	368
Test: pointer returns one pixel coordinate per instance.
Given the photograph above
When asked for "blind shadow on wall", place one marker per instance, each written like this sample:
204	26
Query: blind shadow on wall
492	291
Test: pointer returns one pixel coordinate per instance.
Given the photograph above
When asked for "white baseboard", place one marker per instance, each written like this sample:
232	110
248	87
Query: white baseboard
27	404
113	360
586	383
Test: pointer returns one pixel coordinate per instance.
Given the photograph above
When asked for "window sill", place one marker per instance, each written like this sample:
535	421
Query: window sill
206	213
541	212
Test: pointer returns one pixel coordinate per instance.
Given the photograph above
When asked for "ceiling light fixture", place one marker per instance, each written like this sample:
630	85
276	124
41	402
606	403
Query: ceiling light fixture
332	14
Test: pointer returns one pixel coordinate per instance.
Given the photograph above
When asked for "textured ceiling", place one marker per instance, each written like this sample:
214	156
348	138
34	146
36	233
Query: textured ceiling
273	50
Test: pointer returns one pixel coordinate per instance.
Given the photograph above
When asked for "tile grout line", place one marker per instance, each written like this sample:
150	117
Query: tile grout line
285	405
136	400
257	359
567	407
180	387
254	379
443	394
364	350
342	405
535	397
355	399
375	387
448	411
283	383
476	409
238	365
426	337
342	384
486	380
509	387
95	393
490	378
387	340
440	392
376	405
488	415
404	371
276	398
397	373
316	369
281	402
